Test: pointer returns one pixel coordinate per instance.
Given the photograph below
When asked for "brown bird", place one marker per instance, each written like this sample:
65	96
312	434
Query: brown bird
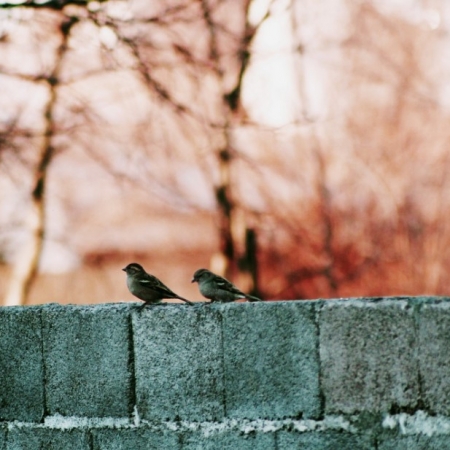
219	289
147	287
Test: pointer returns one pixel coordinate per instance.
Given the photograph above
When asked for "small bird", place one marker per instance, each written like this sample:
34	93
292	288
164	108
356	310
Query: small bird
147	287
219	289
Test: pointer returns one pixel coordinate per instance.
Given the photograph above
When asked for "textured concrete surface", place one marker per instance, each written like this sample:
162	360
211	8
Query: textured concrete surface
271	360
416	443
328	440
21	365
178	363
47	439
135	439
356	373
368	356
2	437
87	353
434	356
229	440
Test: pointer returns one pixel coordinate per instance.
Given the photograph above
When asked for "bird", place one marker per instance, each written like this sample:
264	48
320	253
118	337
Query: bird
147	287
219	289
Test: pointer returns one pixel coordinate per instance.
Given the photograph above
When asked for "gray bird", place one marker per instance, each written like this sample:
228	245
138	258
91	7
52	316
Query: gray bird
147	287
219	289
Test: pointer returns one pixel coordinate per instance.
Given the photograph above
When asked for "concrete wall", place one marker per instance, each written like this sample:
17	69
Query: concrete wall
337	374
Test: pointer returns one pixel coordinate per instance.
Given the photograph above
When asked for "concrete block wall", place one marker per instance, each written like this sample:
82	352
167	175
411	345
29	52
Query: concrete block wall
338	374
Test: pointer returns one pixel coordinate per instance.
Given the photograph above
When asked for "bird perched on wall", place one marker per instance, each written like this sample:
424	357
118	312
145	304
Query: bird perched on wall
219	289
147	287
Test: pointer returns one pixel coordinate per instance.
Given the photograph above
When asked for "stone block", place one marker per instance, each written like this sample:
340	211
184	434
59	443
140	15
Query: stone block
89	363
434	356
229	440
418	442
21	364
323	440
3	437
134	439
179	364
368	356
37	438
271	360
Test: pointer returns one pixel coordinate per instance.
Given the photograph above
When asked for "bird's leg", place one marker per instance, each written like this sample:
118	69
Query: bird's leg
151	305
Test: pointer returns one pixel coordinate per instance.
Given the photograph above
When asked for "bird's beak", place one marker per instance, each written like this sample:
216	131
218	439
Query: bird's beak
124	269
193	280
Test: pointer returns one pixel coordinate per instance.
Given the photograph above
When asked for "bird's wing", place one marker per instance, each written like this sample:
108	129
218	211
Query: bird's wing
150	282
226	285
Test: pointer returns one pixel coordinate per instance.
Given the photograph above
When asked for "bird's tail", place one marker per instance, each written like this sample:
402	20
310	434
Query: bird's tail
252	298
185	300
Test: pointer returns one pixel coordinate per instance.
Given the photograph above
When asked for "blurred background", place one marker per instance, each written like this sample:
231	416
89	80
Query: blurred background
299	148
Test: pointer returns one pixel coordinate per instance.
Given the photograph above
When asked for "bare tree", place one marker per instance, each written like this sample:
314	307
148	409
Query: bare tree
237	244
25	269
224	60
337	205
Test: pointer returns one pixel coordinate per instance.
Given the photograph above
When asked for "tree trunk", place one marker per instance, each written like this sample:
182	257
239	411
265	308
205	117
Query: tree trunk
26	266
231	230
